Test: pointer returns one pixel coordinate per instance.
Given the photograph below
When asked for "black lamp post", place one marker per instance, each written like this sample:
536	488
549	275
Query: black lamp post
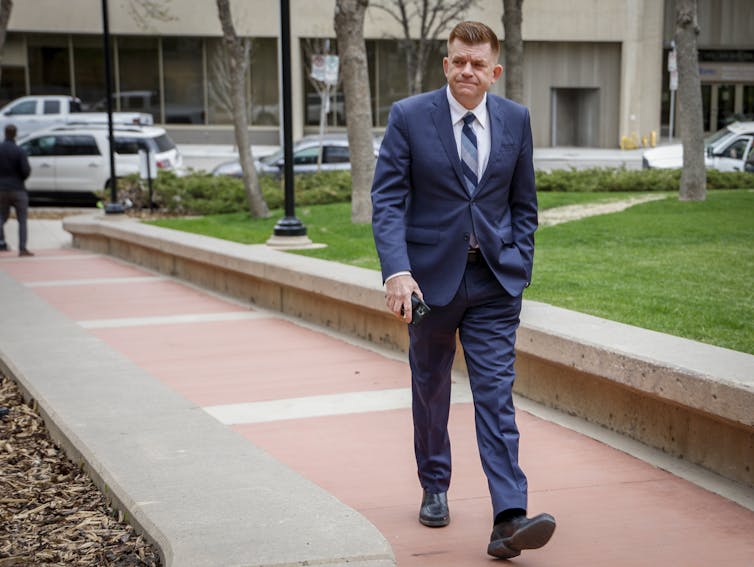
113	207
289	225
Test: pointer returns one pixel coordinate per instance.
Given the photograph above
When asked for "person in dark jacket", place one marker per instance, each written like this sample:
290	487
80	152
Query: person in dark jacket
14	169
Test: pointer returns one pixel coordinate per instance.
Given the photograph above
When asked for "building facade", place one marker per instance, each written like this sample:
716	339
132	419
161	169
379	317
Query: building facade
595	72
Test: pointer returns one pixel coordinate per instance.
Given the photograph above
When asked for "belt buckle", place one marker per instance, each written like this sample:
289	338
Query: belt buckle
474	256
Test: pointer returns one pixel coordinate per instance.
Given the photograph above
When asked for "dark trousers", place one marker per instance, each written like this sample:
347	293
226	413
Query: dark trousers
486	317
19	200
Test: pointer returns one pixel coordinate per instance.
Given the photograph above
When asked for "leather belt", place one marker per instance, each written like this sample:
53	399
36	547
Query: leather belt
474	256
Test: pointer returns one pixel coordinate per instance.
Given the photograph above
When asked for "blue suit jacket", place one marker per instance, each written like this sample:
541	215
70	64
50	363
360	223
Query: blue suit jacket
423	215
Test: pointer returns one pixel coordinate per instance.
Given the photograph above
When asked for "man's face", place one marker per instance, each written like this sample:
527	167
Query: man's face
470	70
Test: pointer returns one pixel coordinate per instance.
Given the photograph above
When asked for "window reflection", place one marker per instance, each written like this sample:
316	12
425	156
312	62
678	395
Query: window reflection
183	78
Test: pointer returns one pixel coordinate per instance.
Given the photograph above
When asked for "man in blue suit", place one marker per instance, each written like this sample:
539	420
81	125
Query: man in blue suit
455	211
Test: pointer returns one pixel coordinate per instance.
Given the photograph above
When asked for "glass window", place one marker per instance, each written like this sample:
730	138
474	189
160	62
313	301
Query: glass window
336	154
24	107
89	71
747	108
138	67
164	143
706	108
44	146
76	145
130	145
736	149
307	156
392	79
49	65
726	102
12	84
51	107
219	103
184	80
263	76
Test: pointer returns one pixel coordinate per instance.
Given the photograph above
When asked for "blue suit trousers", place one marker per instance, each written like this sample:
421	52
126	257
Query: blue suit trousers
486	318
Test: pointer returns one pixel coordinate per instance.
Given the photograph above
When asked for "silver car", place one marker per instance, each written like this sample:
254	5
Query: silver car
335	156
729	149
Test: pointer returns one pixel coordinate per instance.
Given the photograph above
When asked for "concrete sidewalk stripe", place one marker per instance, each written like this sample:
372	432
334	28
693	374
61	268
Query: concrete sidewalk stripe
319	406
38	257
170	319
96	281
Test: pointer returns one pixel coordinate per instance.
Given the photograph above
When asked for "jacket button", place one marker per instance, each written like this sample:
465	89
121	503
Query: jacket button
466	236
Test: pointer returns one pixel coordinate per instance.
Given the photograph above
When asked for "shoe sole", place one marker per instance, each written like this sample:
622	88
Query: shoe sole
434	523
533	536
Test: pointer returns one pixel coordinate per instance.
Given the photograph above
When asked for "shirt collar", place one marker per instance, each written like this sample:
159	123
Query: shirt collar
457	110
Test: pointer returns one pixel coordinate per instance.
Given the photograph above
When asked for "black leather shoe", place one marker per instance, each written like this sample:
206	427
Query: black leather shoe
434	510
509	538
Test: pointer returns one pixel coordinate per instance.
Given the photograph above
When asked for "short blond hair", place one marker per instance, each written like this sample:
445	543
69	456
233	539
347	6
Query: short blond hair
475	33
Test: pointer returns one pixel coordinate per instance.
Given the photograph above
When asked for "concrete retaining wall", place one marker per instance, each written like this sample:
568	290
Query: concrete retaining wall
692	400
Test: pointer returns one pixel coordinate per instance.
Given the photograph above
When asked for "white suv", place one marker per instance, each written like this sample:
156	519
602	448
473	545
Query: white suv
75	160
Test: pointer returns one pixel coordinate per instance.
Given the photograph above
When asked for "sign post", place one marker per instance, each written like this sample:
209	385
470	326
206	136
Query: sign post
673	70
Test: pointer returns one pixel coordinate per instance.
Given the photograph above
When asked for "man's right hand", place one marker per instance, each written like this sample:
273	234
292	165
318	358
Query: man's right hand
398	292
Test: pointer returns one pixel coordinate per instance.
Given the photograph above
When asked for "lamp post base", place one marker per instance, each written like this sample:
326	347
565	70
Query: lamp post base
114	209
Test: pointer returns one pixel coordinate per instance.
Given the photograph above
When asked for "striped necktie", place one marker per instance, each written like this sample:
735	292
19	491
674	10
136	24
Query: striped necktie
469	158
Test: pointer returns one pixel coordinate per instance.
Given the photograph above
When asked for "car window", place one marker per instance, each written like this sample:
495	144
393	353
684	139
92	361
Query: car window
736	149
336	154
130	145
25	107
306	156
76	145
51	107
74	105
44	146
164	143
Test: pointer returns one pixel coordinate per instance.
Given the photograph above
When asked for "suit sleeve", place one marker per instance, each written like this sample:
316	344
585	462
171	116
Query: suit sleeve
390	191
523	199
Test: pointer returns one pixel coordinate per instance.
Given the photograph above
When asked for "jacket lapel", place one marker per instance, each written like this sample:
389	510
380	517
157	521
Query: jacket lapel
500	137
444	126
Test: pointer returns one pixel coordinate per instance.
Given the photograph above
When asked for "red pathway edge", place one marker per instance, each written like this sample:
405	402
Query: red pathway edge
612	509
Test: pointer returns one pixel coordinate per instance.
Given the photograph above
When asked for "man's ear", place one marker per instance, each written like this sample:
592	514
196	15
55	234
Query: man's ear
496	72
445	64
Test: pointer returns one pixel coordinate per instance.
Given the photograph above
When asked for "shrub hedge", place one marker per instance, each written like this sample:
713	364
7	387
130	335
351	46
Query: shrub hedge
203	193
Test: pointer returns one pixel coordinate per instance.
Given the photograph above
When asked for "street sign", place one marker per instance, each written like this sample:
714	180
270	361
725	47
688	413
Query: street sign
318	68
325	68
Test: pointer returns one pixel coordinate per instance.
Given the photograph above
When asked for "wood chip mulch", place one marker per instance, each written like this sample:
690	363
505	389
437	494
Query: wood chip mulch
51	513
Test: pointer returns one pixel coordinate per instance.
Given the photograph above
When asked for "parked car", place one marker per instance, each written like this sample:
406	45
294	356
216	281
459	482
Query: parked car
31	113
729	149
335	156
73	161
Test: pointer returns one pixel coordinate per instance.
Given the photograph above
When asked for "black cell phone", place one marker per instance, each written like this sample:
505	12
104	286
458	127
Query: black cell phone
419	309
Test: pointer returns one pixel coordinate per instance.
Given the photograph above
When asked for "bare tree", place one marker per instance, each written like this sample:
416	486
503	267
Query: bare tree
5	8
690	117
514	50
237	50
144	12
349	28
422	23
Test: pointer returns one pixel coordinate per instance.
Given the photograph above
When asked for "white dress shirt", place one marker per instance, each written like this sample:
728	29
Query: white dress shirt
480	126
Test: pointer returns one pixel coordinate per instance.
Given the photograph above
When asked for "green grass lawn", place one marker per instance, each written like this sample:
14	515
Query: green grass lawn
679	268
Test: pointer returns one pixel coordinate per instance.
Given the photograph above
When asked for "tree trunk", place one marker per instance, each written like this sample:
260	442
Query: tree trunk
690	119
349	28
5	8
237	50
514	50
